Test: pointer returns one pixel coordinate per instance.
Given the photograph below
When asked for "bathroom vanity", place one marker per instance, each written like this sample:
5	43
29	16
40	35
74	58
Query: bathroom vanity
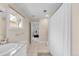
13	49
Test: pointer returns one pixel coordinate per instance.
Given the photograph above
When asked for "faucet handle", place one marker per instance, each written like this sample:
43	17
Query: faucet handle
2	40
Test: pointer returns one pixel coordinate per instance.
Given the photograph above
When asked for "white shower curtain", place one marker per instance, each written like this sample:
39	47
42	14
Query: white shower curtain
58	39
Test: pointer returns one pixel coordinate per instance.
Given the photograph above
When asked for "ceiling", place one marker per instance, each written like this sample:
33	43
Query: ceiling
37	9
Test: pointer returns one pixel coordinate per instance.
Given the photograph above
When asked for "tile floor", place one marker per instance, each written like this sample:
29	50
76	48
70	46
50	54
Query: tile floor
37	49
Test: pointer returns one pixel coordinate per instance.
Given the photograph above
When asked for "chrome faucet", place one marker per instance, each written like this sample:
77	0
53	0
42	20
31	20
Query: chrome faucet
3	41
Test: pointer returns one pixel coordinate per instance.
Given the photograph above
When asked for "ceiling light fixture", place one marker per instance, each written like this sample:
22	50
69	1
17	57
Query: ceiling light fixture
44	10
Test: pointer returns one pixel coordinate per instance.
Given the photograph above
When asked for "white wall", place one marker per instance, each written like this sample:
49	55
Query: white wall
2	26
3	22
75	29
15	35
43	30
59	31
